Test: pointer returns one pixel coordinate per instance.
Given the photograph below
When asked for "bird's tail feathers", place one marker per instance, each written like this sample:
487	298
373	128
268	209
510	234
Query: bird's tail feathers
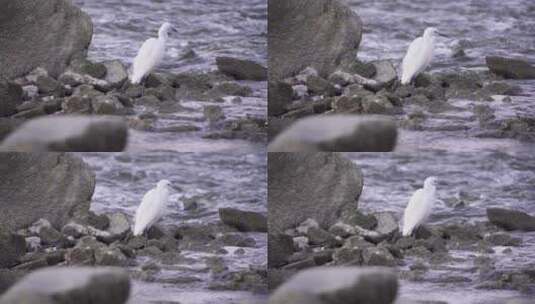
138	230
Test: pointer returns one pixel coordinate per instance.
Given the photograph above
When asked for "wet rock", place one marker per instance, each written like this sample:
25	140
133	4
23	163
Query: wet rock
68	133
325	194
319	86
137	242
99	221
243	220
76	105
75	230
338	285
342	230
387	223
85	67
107	105
59	31
338	133
235	239
13	248
116	73
110	256
69	195
510	68
213	113
364	69
69	285
241	69
118	228
40	109
511	219
155	232
501	88
320	237
330	32
306	225
86	91
11	96
502	239
280	248
48	85
366	221
30	92
377	256
385	74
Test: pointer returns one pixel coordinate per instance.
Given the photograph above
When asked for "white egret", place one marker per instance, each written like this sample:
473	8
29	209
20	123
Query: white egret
152	207
150	54
420	206
419	55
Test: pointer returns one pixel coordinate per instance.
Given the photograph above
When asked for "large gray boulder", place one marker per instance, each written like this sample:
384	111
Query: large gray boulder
53	186
66	285
70	134
303	33
339	285
338	133
45	34
321	186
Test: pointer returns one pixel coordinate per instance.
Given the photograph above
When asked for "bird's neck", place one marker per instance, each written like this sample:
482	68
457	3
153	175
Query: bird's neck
163	36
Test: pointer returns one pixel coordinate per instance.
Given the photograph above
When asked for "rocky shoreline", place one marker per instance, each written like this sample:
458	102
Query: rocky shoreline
316	237
85	239
330	81
102	89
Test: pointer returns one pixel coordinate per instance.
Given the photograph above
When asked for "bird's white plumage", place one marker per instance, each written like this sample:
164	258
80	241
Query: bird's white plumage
419	207
152	207
419	56
150	54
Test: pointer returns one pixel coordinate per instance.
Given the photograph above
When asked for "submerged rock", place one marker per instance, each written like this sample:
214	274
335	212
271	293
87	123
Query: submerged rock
511	219
68	133
70	285
67	197
510	68
243	220
302	33
329	186
241	69
338	133
331	285
57	33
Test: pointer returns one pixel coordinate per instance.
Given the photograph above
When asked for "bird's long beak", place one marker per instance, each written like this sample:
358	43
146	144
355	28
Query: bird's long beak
443	35
176	188
174	30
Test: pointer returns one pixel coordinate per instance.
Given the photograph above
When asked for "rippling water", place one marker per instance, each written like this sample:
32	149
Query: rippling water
206	29
481	28
222	180
468	183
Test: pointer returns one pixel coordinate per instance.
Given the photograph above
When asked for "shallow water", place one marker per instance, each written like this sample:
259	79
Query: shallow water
468	183
206	29
222	180
481	27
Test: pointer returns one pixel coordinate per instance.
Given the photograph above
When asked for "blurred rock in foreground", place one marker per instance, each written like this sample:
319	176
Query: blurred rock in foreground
70	134
71	285
338	133
343	285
